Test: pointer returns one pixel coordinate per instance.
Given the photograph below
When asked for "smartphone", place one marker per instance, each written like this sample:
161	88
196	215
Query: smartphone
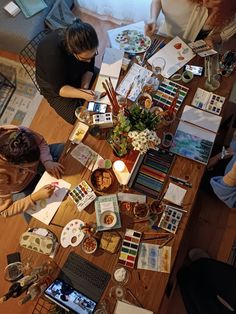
97	107
13	258
196	70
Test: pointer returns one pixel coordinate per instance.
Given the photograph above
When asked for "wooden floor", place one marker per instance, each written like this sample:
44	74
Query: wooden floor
212	226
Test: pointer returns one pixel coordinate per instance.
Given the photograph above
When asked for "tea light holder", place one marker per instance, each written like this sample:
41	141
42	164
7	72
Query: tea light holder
121	172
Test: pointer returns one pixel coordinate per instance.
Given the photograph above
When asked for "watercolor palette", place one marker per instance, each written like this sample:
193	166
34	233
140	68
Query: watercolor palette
166	93
82	195
170	219
129	248
208	101
72	233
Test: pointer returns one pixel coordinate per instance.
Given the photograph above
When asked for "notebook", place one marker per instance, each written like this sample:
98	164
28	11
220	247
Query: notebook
123	308
79	285
31	7
195	135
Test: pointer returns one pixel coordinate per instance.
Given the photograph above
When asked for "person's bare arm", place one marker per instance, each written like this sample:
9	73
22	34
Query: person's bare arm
86	79
68	91
151	25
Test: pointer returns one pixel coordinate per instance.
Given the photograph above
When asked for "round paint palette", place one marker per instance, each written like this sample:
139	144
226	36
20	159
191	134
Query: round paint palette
132	41
72	233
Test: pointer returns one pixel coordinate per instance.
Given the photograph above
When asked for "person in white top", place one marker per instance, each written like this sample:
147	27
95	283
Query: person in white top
211	20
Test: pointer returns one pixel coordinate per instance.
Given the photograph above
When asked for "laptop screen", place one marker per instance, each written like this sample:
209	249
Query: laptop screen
69	298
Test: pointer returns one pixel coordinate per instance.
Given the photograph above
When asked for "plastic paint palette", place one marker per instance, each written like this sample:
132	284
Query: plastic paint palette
72	233
82	195
129	249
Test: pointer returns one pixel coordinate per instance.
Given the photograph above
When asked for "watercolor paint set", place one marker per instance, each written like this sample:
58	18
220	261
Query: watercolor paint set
170	218
129	248
208	101
82	195
150	173
166	93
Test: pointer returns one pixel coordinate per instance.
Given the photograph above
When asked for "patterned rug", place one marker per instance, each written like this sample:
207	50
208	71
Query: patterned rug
25	100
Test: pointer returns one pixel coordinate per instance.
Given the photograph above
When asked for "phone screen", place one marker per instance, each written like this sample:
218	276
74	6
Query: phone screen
196	70
97	107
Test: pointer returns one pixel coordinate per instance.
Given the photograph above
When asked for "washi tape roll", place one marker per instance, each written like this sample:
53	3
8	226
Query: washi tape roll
176	77
187	76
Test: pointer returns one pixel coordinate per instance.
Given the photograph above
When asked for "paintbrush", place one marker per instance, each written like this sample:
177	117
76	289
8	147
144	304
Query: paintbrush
95	157
114	95
163	237
167	241
87	164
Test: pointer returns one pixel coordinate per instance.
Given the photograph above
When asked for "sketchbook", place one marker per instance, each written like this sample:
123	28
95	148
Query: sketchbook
208	101
195	135
45	209
175	54
110	68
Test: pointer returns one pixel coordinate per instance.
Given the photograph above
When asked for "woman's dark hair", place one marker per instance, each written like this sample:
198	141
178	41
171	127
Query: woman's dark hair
18	146
80	37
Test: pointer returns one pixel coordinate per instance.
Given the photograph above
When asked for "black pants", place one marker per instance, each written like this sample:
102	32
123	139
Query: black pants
202	281
64	107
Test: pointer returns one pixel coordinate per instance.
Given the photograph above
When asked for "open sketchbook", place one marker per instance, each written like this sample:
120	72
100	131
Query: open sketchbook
175	55
45	209
111	66
195	135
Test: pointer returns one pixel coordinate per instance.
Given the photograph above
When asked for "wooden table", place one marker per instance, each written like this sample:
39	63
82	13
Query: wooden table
150	287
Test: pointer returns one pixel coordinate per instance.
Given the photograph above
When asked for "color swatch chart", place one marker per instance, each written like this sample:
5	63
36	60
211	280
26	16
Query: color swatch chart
166	93
208	101
170	219
153	171
129	248
82	195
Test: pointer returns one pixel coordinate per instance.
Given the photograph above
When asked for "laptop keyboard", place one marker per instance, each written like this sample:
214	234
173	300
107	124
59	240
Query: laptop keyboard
85	276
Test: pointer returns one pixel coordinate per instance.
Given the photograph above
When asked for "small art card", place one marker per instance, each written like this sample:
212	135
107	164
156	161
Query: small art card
45	209
152	257
175	194
175	55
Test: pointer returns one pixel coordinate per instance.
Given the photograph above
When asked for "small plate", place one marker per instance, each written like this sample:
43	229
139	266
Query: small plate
108	219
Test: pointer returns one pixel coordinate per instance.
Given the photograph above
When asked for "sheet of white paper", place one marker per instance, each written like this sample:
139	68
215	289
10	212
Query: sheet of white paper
151	257
46	209
176	54
175	194
82	152
114	32
201	118
124	307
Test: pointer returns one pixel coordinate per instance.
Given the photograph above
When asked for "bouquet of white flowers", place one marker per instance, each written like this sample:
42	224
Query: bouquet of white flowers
144	140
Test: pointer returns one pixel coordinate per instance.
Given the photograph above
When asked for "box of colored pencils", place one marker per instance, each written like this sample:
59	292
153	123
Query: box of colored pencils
150	173
129	248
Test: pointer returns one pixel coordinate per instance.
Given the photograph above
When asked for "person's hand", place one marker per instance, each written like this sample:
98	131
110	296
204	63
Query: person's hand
209	42
43	193
55	169
150	28
88	94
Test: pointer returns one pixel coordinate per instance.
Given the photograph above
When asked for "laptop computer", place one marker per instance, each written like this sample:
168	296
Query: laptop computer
79	285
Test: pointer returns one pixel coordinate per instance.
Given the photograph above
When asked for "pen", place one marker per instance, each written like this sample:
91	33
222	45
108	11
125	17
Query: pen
185	182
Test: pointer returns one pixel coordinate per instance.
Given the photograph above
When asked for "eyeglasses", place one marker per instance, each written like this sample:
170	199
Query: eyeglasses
86	59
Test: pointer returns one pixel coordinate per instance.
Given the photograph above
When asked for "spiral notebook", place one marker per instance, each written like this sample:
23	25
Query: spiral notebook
31	7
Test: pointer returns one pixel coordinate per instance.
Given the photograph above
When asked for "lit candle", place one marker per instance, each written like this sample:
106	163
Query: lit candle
119	165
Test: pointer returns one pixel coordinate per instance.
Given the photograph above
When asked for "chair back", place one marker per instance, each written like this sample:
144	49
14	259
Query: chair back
27	55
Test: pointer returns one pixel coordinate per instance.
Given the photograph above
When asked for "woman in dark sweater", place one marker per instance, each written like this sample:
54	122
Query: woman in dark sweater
65	67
